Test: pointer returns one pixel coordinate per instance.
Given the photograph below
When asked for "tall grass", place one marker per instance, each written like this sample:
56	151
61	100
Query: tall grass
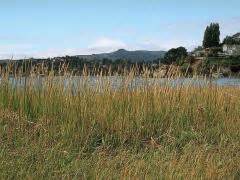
66	127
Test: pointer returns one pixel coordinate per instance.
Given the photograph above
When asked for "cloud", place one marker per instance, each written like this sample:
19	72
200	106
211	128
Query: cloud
51	52
165	44
105	44
13	51
101	45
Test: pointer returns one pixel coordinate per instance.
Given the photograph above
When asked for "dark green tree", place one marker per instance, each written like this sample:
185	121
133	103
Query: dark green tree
199	48
212	36
106	61
231	41
175	55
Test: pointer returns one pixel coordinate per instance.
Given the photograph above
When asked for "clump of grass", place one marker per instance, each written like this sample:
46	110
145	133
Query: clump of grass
69	127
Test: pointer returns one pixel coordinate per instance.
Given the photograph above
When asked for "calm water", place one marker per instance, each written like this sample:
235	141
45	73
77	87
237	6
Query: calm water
117	82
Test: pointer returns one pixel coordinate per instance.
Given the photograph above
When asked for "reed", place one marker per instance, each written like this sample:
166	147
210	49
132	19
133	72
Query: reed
79	127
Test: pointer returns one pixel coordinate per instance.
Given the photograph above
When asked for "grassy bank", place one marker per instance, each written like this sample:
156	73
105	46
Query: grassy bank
97	132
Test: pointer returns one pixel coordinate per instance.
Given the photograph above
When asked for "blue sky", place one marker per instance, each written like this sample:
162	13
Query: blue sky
45	28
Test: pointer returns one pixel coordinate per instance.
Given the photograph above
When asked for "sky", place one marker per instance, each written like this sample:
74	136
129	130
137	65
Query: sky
47	28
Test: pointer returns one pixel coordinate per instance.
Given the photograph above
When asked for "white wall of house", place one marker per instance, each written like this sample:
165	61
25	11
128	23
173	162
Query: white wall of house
231	49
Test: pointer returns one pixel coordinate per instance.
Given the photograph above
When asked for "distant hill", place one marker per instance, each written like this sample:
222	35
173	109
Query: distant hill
122	54
134	56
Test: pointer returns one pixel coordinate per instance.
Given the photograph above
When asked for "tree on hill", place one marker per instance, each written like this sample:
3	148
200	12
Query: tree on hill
175	55
106	61
199	48
212	36
231	41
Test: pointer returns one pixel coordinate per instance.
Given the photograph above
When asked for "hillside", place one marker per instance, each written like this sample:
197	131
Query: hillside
134	56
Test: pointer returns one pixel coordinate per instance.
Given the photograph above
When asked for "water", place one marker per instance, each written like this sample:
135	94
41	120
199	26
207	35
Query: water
117	82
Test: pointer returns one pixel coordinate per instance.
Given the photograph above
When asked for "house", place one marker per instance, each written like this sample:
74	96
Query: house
198	53
231	49
213	51
231	45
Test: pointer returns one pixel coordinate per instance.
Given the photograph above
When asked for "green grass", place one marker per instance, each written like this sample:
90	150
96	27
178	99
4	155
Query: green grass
98	133
225	62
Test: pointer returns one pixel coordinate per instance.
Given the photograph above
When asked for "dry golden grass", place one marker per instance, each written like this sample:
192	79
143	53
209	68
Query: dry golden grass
153	131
